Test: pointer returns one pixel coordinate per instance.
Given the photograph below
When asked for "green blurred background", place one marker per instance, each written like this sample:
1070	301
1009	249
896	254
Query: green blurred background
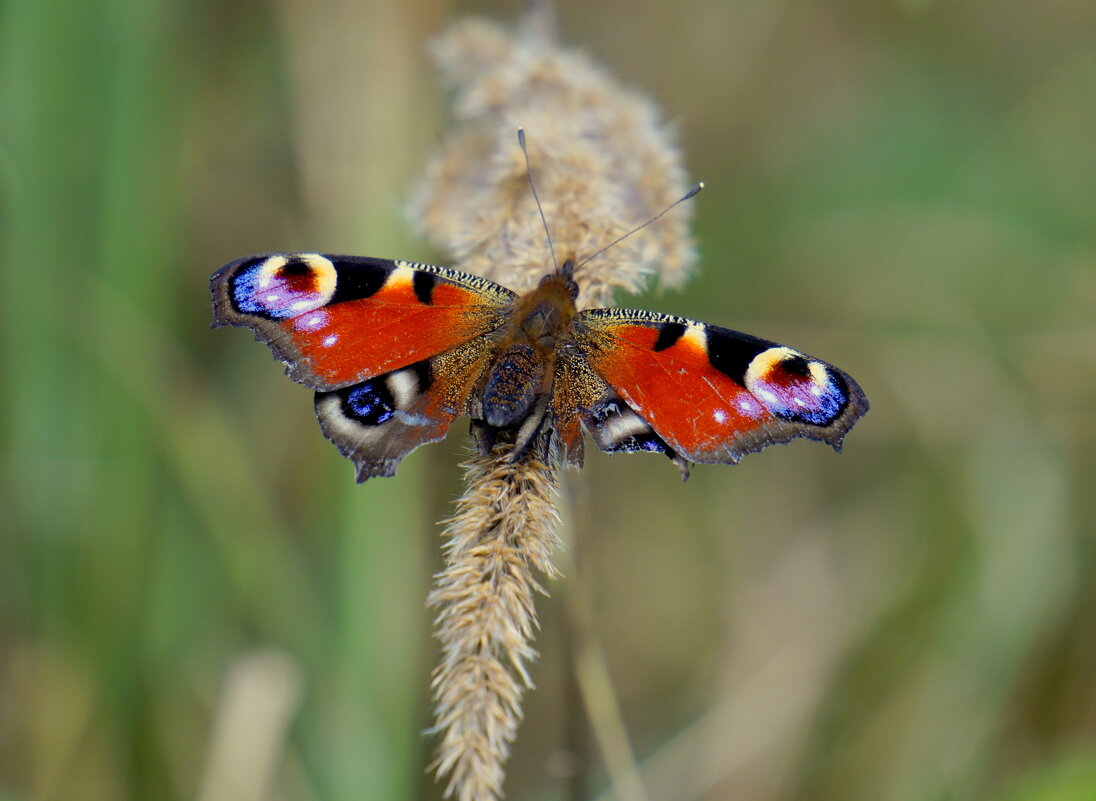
906	188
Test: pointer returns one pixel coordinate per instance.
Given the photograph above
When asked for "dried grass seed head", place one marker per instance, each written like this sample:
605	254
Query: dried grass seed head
602	161
503	531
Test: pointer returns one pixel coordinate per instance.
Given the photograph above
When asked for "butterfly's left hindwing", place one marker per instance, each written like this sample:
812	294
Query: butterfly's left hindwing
707	393
377	422
340	320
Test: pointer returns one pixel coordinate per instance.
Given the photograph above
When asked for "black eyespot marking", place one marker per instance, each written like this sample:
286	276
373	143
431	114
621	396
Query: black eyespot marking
370	404
643	443
421	371
298	279
356	281
790	390
423	283
796	365
668	334
295	267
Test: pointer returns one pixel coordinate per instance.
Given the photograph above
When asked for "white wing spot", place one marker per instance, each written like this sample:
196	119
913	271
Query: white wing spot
720	416
403	274
311	321
694	335
330	340
625	424
750	406
404	386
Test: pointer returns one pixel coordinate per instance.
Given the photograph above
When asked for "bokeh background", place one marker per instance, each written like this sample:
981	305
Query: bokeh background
193	590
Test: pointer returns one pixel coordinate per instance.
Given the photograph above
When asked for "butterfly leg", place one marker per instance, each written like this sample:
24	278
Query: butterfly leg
531	426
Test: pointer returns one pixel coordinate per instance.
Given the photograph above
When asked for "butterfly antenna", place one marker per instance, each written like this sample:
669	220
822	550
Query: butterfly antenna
536	197
619	239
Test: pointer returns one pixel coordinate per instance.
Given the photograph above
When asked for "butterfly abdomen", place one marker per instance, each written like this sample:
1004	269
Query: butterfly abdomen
512	386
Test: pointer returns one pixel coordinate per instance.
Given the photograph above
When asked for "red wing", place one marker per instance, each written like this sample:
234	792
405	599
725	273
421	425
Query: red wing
340	320
713	394
583	397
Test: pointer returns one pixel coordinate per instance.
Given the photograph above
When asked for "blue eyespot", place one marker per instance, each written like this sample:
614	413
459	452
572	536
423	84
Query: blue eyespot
370	403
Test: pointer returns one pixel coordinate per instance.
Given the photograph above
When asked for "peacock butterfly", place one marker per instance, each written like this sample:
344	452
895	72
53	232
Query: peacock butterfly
395	350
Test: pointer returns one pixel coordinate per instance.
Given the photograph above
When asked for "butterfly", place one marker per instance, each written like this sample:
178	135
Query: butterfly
395	351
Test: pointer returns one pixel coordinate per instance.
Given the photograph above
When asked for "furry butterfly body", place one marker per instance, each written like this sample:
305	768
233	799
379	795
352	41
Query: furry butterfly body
395	351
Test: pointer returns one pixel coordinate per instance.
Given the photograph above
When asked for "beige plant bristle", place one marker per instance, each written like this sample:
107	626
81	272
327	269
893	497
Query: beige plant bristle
503	531
602	160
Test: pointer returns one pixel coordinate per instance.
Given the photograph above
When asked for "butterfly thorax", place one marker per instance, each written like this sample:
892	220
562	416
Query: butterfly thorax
542	316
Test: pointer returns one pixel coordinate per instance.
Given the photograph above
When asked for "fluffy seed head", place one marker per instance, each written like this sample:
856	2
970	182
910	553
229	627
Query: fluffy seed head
503	531
602	161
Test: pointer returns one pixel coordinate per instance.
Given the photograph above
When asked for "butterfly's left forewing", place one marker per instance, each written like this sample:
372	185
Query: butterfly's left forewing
709	394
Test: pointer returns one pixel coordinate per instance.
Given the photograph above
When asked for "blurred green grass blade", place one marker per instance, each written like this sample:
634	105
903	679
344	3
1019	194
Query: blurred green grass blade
1067	778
